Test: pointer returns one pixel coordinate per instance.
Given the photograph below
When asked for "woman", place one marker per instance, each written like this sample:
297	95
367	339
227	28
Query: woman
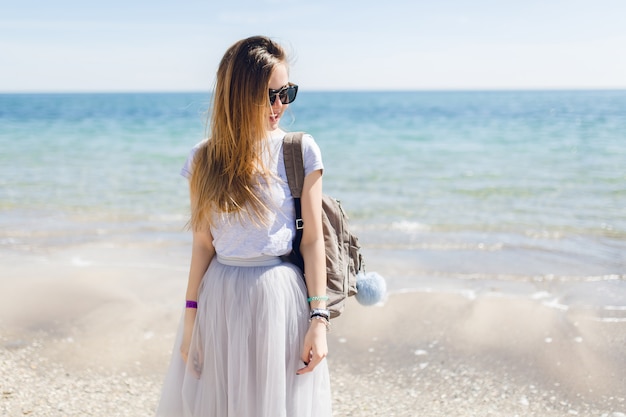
253	336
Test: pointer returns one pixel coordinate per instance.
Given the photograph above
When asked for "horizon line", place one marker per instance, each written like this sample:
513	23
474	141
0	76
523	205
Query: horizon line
323	90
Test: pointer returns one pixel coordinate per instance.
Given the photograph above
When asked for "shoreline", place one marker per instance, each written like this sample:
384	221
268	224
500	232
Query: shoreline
165	256
89	330
97	341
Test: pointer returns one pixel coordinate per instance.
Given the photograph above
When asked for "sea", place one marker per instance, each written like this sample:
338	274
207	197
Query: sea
512	193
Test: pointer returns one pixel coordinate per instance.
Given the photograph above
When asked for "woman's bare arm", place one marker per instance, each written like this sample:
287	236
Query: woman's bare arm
312	248
202	252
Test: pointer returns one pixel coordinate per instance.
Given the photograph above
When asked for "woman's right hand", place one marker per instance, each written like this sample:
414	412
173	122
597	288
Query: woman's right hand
186	350
189	320
202	252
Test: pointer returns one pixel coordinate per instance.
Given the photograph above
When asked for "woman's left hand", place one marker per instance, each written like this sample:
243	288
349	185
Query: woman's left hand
315	346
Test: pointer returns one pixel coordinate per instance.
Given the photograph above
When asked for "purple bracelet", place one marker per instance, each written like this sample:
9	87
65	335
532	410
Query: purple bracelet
191	304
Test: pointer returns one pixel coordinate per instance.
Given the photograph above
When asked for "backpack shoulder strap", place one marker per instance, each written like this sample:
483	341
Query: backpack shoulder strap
294	166
294	163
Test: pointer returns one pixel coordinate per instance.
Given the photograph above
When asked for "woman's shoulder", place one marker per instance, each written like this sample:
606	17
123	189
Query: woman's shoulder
312	154
307	138
202	143
188	166
309	143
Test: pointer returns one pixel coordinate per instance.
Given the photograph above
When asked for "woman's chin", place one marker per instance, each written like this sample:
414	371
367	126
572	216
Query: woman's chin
273	124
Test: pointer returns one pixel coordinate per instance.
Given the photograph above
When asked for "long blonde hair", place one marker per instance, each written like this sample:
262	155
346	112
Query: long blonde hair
228	167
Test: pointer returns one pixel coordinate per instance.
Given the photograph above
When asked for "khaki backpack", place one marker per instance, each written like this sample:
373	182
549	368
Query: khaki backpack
343	253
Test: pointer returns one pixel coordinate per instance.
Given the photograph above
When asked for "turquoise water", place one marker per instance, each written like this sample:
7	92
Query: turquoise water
491	186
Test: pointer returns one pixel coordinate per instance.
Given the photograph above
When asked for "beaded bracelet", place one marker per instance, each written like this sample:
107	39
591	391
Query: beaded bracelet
191	304
320	312
317	298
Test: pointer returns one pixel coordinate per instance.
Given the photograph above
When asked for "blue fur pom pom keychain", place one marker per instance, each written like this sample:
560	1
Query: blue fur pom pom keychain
371	288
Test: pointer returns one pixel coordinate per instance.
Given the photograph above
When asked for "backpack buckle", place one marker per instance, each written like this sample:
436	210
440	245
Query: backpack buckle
299	224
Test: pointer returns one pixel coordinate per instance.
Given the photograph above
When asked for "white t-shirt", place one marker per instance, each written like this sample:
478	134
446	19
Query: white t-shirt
245	239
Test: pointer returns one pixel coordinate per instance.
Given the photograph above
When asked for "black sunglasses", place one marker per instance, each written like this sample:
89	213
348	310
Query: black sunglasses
287	94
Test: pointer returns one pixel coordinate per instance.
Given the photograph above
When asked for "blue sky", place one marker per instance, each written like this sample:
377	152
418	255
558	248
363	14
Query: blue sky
157	45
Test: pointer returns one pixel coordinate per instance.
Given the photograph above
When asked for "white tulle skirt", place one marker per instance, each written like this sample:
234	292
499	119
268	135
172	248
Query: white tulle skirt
246	346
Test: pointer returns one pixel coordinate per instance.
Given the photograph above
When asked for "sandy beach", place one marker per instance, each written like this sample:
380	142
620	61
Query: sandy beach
497	218
81	338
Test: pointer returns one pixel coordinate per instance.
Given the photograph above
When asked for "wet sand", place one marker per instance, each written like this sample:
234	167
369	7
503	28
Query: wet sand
427	354
89	339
